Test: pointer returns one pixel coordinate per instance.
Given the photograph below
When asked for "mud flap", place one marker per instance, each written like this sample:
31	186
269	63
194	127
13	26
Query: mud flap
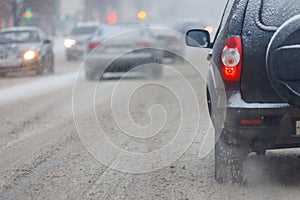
229	160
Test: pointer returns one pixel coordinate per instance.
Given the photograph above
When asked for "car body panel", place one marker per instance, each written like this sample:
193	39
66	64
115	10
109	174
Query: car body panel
253	97
259	108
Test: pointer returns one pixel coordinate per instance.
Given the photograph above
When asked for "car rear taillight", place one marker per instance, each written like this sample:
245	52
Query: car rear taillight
231	59
251	121
93	45
143	44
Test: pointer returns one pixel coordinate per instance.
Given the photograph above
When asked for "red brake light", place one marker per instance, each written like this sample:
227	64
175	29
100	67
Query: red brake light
93	45
143	44
251	121
231	59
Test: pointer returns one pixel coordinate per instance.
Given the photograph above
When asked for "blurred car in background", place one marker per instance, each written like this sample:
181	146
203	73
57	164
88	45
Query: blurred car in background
169	40
25	49
76	42
121	48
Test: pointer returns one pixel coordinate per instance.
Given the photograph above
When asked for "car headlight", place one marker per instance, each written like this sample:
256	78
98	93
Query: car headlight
69	42
30	55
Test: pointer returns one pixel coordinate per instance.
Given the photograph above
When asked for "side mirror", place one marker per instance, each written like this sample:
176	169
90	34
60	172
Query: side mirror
198	38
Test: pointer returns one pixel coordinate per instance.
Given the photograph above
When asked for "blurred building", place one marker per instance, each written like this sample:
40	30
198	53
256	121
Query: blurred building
124	10
7	13
99	10
41	13
71	12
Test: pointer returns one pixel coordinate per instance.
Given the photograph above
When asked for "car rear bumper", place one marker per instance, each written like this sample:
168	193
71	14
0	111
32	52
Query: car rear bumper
275	124
111	62
74	52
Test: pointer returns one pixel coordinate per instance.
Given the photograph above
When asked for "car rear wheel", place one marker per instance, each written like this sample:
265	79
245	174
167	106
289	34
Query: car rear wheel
153	71
69	57
229	160
51	66
89	75
51	70
2	74
156	72
39	70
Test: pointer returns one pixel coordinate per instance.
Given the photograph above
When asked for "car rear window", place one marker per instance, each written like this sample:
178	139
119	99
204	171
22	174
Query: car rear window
83	30
19	36
276	12
111	30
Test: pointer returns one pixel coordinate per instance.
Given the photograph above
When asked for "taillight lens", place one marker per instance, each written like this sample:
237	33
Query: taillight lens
93	45
143	44
231	59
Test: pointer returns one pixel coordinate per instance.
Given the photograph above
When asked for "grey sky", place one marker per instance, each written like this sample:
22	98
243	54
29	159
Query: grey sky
166	10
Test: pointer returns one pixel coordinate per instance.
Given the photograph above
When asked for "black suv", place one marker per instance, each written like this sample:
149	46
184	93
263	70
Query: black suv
253	84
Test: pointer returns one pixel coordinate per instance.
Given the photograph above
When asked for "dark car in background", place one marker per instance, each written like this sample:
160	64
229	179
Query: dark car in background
121	48
25	49
253	84
75	43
